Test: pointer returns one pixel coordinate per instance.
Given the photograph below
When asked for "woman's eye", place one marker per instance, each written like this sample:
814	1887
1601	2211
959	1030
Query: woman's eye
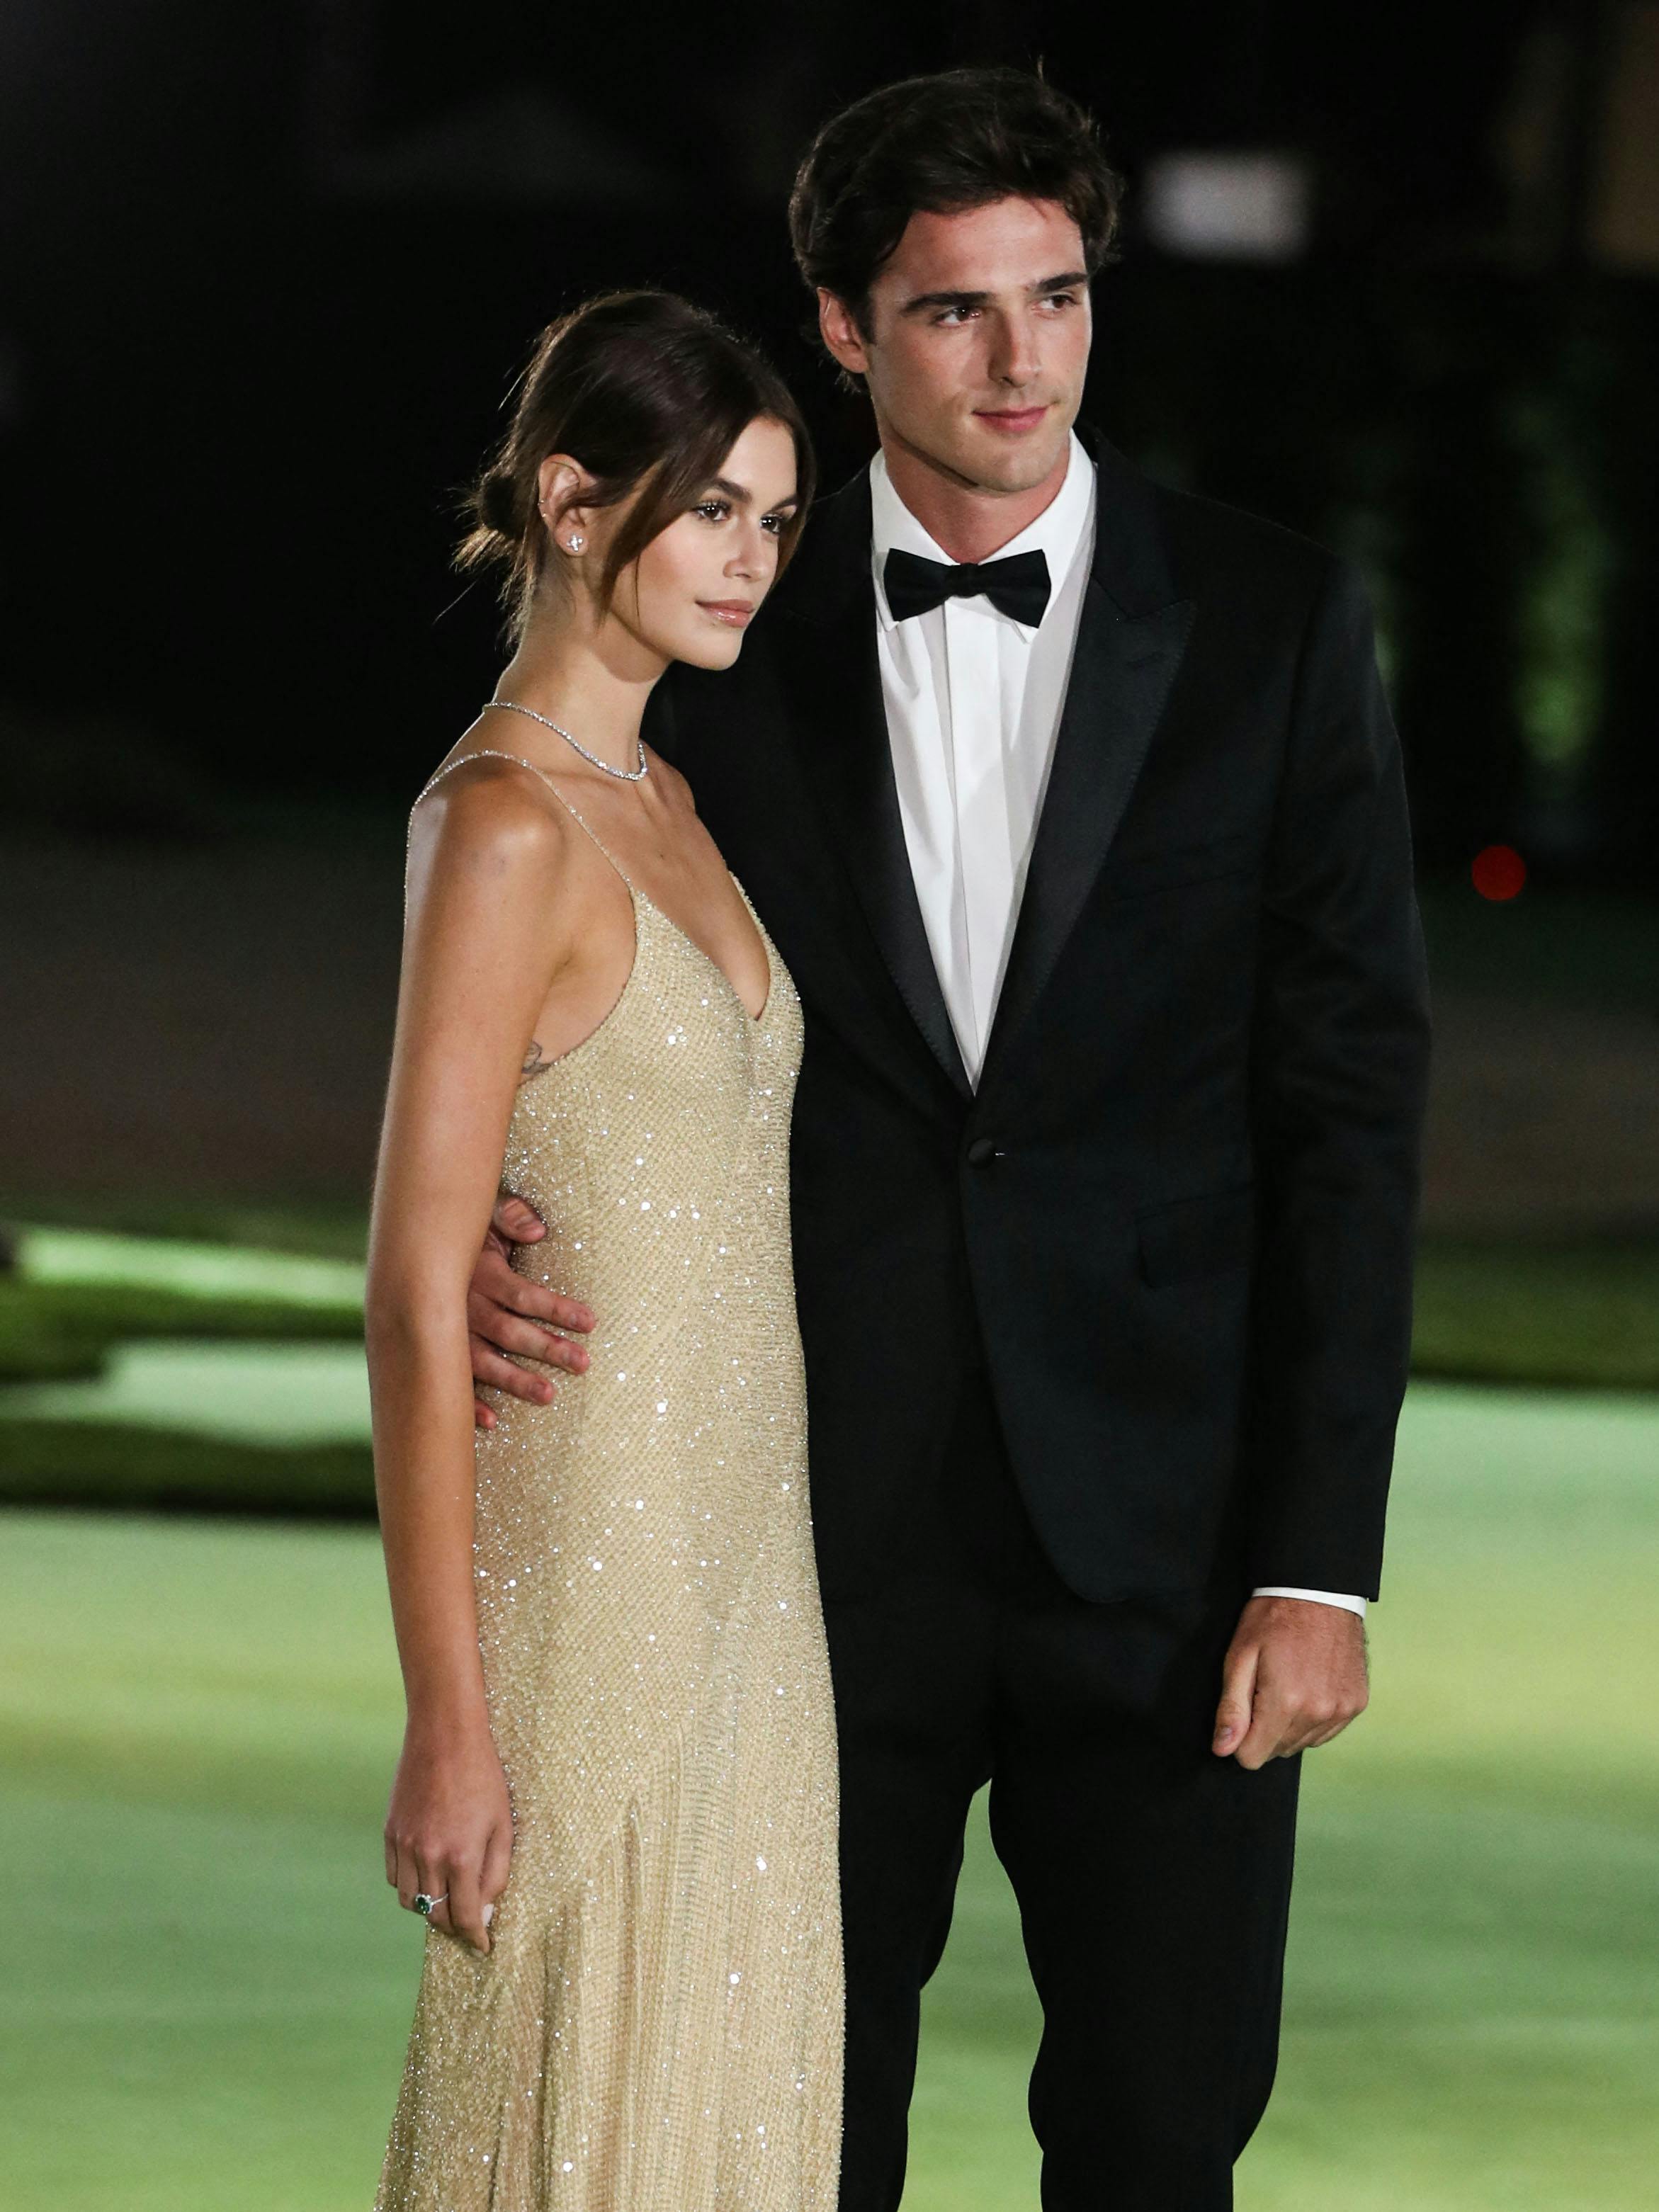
774	523
713	510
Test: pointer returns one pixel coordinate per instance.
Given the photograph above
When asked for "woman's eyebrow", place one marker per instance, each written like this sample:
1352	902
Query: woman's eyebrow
741	496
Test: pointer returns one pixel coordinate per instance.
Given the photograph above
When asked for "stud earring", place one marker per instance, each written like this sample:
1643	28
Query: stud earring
576	542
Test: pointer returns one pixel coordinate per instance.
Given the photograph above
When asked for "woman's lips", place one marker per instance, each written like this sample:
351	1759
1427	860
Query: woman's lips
1012	420
735	611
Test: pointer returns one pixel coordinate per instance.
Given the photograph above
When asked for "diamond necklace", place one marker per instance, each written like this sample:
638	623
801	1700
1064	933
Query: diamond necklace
622	775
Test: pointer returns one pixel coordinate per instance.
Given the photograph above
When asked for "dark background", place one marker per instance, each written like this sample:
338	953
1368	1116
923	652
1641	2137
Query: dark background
268	271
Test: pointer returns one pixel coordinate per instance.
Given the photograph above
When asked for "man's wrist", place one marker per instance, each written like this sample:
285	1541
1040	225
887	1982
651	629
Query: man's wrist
1343	1598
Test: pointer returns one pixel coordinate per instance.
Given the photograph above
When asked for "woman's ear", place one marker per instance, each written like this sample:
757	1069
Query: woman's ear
560	483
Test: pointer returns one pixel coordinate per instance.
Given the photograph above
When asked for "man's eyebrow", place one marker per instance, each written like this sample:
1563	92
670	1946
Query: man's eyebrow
1069	280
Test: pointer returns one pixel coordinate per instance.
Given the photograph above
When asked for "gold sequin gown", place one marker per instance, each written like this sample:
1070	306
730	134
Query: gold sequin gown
659	2026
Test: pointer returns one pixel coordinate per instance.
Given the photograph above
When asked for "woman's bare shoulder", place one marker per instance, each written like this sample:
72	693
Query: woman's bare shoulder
484	808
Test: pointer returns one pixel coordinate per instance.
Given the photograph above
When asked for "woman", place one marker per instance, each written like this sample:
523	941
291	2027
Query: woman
615	1803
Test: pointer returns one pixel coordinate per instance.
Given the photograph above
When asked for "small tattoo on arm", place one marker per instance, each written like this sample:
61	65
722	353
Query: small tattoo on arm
533	1062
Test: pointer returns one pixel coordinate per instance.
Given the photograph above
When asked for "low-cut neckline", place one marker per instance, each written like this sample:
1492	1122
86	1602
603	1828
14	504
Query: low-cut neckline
637	899
544	775
755	1021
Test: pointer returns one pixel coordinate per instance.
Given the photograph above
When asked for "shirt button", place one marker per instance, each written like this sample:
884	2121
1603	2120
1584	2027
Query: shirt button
982	1152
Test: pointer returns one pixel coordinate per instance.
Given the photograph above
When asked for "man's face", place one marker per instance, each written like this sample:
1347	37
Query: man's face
976	342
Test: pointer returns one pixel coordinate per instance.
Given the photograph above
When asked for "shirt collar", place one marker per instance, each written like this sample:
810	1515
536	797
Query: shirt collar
1059	532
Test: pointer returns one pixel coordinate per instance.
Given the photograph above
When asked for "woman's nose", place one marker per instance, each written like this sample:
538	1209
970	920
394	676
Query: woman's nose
750	557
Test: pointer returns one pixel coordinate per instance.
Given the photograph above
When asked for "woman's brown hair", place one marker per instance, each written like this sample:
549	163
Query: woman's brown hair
650	394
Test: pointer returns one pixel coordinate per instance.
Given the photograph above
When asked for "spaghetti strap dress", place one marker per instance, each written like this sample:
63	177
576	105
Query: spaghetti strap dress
658	2026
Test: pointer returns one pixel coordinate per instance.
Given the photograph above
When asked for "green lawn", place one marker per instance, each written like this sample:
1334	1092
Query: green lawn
208	1985
152	1370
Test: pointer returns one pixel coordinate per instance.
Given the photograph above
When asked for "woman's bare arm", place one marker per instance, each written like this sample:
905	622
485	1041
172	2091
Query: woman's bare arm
488	924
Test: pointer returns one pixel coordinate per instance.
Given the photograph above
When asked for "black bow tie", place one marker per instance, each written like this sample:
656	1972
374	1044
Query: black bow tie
1017	586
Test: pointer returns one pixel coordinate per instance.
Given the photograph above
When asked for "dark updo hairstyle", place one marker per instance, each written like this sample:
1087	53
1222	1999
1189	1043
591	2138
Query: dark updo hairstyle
943	145
650	394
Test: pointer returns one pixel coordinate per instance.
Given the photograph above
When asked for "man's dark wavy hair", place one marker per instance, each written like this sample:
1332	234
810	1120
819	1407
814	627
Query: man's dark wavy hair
943	143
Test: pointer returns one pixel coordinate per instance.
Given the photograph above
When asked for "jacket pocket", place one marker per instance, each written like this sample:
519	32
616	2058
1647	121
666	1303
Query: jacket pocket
1168	868
1195	1237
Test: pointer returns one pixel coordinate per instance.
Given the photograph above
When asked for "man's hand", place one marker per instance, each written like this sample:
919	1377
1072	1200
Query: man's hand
505	1313
1294	1677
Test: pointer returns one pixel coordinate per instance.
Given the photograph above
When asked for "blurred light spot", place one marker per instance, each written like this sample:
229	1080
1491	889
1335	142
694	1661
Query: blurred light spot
1498	873
1227	207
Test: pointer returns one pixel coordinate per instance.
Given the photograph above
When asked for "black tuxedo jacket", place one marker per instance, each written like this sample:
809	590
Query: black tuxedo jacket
1177	1217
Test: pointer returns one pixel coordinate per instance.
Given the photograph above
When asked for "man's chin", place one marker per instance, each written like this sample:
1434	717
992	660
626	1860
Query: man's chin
1005	464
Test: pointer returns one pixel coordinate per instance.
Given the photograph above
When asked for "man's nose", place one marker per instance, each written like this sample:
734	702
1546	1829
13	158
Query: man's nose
1014	352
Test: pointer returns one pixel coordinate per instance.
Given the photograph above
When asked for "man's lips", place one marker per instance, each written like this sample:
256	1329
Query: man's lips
735	611
1011	418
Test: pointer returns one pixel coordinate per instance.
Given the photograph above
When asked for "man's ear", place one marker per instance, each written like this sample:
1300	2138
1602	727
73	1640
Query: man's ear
841	334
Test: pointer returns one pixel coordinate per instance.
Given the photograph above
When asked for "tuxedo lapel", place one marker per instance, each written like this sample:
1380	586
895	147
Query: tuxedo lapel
1130	638
836	705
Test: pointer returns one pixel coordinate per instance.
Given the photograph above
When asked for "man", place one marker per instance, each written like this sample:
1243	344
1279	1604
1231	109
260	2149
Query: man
1075	808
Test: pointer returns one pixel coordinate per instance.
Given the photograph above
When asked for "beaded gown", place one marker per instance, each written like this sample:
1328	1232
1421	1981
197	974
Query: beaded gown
659	2026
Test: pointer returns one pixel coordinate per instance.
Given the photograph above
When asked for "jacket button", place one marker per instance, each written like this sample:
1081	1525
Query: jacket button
981	1152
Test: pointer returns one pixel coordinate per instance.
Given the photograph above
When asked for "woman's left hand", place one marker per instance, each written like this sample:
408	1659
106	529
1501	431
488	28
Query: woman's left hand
449	1829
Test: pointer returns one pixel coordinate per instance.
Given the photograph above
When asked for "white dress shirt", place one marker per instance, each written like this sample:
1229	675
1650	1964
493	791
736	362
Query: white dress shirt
974	700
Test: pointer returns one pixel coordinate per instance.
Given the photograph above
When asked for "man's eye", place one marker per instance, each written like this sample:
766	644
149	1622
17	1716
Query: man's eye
948	317
1061	299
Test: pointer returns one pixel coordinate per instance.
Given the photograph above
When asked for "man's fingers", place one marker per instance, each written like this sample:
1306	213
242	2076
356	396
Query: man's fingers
1265	1740
535	1303
483	1416
1330	1731
495	1284
505	1331
518	1223
488	1366
549	1306
1233	1713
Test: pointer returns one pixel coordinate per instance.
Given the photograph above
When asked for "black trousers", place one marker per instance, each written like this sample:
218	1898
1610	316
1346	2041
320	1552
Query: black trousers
1153	1879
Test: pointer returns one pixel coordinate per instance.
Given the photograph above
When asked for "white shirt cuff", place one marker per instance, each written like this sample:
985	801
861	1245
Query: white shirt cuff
1316	1597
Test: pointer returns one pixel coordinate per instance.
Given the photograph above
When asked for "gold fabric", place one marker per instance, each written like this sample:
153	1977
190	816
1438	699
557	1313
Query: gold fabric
658	2026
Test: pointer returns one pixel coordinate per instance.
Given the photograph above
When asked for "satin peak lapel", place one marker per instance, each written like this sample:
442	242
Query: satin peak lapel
1122	671
835	688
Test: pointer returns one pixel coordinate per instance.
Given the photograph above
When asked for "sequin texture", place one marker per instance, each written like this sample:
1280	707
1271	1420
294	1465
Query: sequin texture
659	2023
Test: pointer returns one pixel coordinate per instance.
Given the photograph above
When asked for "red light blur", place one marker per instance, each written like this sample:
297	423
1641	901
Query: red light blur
1498	873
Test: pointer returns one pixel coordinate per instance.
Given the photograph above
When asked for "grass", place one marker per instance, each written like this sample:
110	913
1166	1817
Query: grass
54	1331
1577	1315
208	1987
167	1374
125	1385
123	1465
